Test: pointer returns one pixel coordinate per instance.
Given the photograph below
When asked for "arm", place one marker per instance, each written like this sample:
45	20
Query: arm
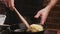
51	4
43	13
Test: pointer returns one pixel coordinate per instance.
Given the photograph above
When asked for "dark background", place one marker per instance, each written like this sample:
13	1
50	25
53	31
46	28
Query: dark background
53	20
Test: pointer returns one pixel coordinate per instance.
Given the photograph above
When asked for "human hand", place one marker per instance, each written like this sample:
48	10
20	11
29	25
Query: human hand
43	13
9	4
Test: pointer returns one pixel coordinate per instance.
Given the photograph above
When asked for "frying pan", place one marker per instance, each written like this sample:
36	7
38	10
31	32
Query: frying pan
24	21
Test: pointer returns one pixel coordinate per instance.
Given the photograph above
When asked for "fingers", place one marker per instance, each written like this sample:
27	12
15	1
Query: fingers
5	2
11	3
37	15
43	19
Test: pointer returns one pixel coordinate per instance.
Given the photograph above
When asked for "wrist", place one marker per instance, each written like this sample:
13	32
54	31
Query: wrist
48	7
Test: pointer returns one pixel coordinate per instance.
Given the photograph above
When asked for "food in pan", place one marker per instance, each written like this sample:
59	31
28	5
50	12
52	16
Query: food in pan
35	28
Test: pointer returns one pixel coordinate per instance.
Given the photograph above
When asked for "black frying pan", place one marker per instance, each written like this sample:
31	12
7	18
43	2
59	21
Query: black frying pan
13	27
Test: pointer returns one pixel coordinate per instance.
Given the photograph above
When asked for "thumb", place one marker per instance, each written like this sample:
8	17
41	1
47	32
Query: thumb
37	15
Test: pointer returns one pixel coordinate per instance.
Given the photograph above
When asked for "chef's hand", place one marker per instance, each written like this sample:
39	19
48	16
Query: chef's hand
43	13
9	4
